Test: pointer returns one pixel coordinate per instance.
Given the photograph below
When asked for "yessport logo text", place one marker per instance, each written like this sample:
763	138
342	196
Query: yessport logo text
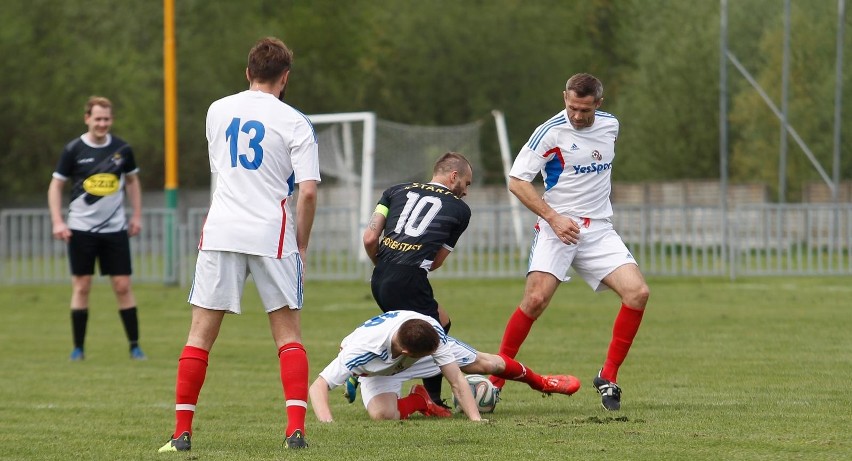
592	168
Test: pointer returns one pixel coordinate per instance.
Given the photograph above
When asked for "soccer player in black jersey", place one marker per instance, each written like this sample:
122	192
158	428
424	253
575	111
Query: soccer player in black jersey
412	231
101	169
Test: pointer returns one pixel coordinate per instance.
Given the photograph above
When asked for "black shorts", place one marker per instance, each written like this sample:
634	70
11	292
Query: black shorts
403	288
111	249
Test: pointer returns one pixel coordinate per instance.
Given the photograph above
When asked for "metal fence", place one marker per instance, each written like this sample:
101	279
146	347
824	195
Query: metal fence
759	240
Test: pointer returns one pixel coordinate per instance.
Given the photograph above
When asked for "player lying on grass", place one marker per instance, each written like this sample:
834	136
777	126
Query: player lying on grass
397	346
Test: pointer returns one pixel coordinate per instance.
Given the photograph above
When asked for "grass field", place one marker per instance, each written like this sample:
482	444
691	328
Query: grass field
755	369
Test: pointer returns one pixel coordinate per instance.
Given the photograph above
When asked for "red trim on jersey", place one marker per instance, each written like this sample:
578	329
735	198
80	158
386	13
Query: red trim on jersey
283	228
558	153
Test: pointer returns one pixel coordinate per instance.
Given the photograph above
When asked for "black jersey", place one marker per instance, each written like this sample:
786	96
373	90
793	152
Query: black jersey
97	183
421	218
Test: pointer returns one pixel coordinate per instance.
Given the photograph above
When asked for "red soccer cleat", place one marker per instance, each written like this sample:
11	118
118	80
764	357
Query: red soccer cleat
432	408
560	384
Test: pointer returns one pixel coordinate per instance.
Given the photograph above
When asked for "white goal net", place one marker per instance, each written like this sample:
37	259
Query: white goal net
361	155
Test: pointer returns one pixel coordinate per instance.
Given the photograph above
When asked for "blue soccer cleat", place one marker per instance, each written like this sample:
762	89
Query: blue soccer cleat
351	388
77	354
137	354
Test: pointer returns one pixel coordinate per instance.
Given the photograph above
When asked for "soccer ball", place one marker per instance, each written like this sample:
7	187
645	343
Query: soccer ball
485	394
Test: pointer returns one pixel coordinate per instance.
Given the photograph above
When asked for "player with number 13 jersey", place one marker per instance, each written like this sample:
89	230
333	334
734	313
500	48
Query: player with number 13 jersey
260	148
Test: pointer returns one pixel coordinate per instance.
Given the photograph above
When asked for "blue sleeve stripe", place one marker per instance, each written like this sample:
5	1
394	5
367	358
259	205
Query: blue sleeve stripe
309	123
360	360
463	344
601	113
543	129
441	335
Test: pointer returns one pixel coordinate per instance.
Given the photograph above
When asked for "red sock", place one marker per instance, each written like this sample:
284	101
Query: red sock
192	369
516	332
410	404
623	331
517	329
516	371
294	377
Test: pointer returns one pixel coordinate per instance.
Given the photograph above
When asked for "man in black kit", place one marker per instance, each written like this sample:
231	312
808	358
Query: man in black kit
101	169
412	231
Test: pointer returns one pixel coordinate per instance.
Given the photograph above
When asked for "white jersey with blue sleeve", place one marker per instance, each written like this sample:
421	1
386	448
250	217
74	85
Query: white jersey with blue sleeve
576	165
259	149
367	350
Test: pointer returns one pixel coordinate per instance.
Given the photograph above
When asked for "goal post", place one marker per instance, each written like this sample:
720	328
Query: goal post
506	157
345	167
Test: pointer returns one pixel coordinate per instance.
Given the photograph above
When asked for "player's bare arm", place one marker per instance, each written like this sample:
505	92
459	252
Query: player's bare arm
54	202
319	400
306	208
372	236
133	188
461	389
439	258
565	228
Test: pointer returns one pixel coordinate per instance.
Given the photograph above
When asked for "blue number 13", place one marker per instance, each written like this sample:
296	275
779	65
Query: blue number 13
252	128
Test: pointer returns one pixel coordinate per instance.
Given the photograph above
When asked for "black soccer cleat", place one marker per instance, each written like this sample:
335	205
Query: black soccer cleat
610	393
296	440
180	443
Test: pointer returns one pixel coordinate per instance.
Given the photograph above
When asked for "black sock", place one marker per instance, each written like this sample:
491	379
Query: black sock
433	386
131	325
79	318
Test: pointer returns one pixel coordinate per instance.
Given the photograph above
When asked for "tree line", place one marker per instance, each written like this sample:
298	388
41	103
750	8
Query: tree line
437	62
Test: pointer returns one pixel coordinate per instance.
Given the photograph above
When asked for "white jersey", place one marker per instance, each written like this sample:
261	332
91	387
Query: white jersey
367	350
576	165
259	149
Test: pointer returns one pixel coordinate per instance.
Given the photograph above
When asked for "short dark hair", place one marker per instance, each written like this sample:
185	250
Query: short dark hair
268	59
449	162
585	85
418	336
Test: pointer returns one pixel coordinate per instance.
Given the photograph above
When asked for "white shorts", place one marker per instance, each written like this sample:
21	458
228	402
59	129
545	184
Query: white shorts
221	275
372	386
336	372
599	252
